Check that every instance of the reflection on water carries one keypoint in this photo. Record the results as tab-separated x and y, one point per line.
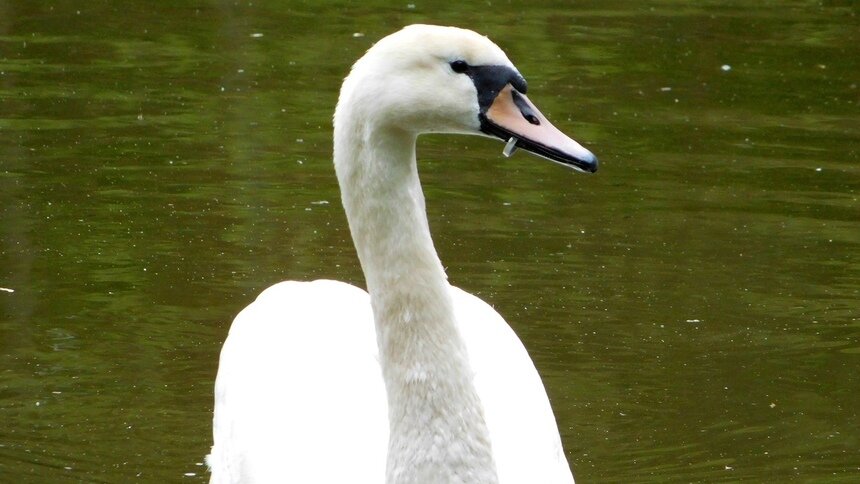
693	307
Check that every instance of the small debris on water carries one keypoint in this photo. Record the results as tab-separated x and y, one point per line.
256	35
665	89
725	67
358	34
6	289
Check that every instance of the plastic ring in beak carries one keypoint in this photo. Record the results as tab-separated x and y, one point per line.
510	147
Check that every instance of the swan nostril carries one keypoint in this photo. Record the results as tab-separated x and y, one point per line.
526	110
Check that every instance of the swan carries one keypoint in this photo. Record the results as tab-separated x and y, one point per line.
413	380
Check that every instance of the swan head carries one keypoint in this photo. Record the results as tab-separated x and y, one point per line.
433	79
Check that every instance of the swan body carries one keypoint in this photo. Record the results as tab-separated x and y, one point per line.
413	380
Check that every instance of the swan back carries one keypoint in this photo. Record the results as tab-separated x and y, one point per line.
299	396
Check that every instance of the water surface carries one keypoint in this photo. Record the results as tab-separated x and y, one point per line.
692	307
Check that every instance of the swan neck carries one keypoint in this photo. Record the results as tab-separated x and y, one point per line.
384	205
437	430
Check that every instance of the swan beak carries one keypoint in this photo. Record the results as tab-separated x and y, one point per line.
514	119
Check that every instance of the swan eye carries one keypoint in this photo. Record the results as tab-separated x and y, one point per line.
459	66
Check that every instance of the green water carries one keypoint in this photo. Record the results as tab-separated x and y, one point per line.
694	307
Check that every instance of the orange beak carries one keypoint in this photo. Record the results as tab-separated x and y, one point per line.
513	118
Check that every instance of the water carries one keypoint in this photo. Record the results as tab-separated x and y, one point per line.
693	307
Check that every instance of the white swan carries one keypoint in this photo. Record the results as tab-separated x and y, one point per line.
417	381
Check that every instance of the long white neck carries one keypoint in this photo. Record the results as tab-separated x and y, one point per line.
437	428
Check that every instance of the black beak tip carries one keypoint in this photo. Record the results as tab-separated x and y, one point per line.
587	164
